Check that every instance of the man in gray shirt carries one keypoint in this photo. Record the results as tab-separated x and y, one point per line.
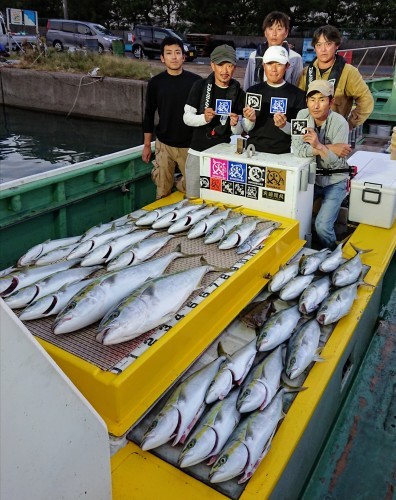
326	132
275	28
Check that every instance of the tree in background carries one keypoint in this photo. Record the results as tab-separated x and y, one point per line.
359	18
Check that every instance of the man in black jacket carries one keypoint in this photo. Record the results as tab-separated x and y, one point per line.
167	93
269	127
212	109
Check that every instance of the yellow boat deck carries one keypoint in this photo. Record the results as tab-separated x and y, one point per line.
121	399
139	474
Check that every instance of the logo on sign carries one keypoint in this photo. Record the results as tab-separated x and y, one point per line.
256	175
215	184
236	171
275	178
223	106
278	105
204	182
239	189
252	192
218	168
227	187
253	100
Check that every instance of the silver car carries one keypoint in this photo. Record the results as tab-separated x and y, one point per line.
63	34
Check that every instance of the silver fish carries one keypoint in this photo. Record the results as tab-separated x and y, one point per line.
169	218
205	225
238	235
255	239
53	303
94	242
295	287
190	219
27	276
182	409
283	276
103	228
151	305
55	255
302	349
233	372
277	329
309	264
7	271
110	250
139	252
212	432
334	260
42	248
222	228
248	444
263	383
95	300
338	304
314	295
152	215
29	294
350	271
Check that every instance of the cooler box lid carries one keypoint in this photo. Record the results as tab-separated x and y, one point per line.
382	172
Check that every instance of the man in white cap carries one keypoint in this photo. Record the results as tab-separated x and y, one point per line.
212	124
268	123
325	129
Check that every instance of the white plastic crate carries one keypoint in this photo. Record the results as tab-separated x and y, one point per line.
373	193
275	184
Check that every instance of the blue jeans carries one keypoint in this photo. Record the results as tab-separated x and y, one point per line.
332	197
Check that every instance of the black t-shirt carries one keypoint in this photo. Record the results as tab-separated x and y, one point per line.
168	94
266	136
202	136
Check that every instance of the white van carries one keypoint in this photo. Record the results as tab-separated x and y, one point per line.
63	33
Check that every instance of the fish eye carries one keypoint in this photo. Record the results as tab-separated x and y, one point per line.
292	361
114	315
71	306
191	444
223	460
152	426
247	392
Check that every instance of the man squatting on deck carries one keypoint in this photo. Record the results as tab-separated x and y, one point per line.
325	127
167	93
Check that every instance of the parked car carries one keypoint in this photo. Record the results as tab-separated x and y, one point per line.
62	33
146	41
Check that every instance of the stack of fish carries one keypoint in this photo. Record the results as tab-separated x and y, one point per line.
242	394
133	284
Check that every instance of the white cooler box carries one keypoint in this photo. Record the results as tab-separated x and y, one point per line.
276	184
373	193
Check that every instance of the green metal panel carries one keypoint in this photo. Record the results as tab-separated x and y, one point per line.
384	94
70	202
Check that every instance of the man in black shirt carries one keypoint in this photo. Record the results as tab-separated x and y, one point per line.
212	124
167	93
269	127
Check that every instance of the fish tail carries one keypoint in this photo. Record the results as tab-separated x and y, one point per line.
204	262
360	250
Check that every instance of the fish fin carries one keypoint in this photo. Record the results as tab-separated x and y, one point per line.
318	358
220	350
360	250
288	388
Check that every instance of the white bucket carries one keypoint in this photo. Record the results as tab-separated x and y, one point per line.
384	130
373	128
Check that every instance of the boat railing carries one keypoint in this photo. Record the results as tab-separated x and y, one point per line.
366	50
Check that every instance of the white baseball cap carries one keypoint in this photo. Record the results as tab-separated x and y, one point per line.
276	53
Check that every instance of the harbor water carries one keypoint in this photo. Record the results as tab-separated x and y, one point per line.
32	142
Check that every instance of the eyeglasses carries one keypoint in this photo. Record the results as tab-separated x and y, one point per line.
319	45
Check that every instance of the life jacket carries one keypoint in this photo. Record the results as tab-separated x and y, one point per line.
232	92
335	73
